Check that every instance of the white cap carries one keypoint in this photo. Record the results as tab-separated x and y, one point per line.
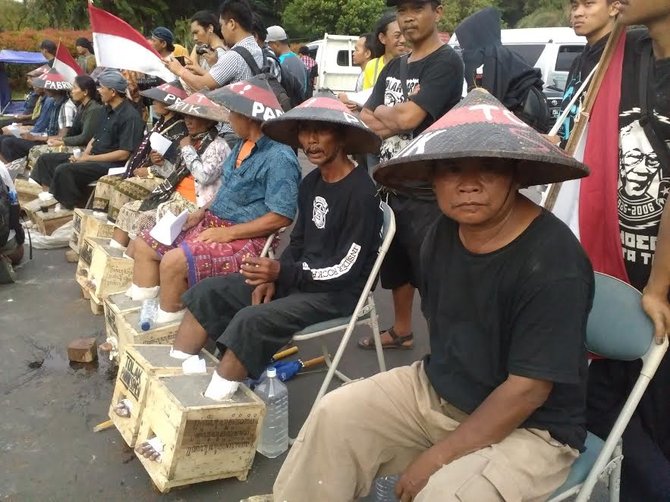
271	372
276	34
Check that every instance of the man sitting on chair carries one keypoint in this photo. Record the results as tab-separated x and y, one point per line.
496	412
321	273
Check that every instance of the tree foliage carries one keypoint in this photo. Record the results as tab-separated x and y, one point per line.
457	10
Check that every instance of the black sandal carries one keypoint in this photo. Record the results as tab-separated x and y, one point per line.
397	342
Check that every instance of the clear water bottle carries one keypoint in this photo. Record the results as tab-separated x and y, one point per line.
385	488
148	313
274	433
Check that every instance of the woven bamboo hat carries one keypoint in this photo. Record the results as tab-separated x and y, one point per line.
52	81
166	93
479	127
324	107
199	105
252	98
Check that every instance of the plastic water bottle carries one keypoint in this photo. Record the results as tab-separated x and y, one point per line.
274	434
148	313
385	488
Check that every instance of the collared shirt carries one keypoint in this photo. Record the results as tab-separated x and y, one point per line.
266	181
122	129
231	67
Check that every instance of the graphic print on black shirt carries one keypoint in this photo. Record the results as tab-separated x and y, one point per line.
644	182
336	237
434	83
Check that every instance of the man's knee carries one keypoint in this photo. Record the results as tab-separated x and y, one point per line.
173	262
142	251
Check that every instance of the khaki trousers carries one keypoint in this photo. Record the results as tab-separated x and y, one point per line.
378	426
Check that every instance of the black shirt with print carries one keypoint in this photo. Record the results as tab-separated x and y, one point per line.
644	180
435	83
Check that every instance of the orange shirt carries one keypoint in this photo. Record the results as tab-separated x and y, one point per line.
245	151
186	188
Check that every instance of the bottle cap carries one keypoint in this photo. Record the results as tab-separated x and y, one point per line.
272	372
146	326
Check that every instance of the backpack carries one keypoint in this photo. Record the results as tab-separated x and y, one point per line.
535	111
5	213
288	91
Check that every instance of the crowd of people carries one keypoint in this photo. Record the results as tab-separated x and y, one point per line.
500	408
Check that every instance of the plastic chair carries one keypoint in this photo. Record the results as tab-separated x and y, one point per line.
617	329
364	313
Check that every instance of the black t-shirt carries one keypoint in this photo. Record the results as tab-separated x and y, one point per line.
122	129
644	180
521	310
439	77
579	71
335	240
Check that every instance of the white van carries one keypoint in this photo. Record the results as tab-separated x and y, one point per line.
552	50
334	55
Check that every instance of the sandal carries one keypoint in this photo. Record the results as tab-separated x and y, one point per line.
397	342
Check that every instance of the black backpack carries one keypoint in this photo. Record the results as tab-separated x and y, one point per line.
289	91
535	110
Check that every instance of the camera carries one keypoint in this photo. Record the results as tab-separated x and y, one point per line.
201	49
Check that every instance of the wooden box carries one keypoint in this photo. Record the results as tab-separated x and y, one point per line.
47	222
115	306
87	223
84	264
139	367
130	333
26	191
110	272
203	439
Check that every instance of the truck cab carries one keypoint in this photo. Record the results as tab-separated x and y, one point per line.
334	55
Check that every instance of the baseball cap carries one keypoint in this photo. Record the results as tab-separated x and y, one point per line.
276	34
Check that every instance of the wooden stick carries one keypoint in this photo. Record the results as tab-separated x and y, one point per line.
285	353
583	118
107	424
313	362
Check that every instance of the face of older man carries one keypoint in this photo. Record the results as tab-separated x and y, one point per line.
106	94
476	191
320	141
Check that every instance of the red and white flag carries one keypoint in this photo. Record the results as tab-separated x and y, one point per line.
65	64
589	205
119	45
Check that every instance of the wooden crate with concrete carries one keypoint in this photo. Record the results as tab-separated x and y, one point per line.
88	223
130	332
202	439
26	191
46	217
110	272
140	366
115	328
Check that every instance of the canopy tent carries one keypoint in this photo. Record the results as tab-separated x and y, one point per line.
21	57
14	57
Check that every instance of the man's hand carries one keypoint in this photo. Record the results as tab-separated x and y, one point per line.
416	476
173	65
55	142
655	304
193	219
141	172
263	293
156	158
186	141
84	157
259	270
219	234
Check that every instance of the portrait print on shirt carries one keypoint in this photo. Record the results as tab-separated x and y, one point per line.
393	96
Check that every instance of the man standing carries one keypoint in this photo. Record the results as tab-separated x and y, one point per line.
118	135
411	93
640	237
48	49
289	60
496	412
593	19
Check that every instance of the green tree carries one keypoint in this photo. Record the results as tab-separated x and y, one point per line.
457	10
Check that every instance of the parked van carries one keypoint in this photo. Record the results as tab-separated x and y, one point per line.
334	55
552	50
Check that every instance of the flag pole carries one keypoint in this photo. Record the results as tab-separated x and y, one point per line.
583	118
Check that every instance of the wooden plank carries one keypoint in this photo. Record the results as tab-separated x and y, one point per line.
26	191
130	334
110	272
115	306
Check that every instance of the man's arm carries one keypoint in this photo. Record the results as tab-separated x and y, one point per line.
260	227
193	80
401	117
655	295
115	156
503	411
368	117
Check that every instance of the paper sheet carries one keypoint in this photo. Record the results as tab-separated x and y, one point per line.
169	227
159	143
361	97
113	171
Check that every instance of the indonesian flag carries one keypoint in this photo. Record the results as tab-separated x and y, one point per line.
65	64
119	45
589	205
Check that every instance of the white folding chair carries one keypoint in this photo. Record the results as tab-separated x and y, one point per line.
364	313
617	329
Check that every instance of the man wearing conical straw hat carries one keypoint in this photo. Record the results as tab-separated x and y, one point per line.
496	412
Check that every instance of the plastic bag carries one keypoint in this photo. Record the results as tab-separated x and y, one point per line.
60	238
